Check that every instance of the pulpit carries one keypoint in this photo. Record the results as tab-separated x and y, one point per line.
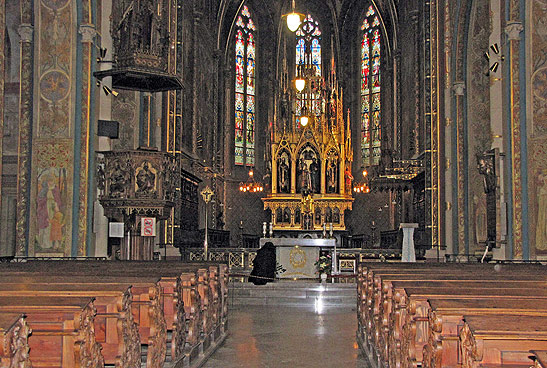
137	188
297	256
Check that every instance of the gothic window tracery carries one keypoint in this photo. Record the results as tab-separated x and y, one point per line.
371	132
245	110
308	40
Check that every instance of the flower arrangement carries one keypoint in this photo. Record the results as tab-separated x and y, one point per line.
324	264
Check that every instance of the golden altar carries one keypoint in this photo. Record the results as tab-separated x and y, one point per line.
310	164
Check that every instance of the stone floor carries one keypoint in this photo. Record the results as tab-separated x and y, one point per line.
285	336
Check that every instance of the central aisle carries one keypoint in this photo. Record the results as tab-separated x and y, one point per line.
283	336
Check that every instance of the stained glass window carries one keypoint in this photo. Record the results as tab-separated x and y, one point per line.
371	133
245	56
308	39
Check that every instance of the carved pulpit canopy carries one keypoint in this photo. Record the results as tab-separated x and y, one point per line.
141	41
137	182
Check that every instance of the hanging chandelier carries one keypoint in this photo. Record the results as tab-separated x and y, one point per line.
363	186
294	19
251	185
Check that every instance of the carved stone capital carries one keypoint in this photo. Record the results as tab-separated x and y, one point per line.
513	30
88	32
26	32
458	88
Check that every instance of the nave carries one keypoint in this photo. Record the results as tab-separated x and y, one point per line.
290	336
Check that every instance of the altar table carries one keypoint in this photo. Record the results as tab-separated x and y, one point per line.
298	256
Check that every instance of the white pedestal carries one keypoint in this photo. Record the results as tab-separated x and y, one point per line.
409	253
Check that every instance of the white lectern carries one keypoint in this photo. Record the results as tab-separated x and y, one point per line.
409	254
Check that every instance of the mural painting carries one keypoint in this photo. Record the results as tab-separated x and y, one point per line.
538	133
55	69
479	132
52	210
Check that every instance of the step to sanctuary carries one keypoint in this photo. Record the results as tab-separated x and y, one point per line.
292	293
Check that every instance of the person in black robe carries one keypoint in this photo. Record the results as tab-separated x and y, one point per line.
264	265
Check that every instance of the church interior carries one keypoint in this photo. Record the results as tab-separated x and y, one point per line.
374	142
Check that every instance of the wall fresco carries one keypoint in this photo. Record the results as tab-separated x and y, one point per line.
52	197
55	45
479	132
52	149
538	132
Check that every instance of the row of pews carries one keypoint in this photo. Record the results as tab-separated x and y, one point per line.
121	314
452	315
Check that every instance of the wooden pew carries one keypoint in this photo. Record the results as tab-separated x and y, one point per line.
115	328
146	306
411	310
14	348
380	314
62	330
446	318
376	312
501	339
168	273
540	358
211	289
375	293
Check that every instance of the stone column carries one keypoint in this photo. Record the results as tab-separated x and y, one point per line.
513	31
459	92
26	31
496	114
87	31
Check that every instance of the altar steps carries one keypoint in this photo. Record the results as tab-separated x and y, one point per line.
292	293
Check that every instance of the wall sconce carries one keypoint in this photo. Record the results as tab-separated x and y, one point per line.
495	58
107	90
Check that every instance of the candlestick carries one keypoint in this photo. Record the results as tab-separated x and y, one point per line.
271	230
264	228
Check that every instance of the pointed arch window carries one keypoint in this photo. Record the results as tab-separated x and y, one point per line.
308	42
371	132
245	75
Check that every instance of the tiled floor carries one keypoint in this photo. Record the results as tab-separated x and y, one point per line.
275	336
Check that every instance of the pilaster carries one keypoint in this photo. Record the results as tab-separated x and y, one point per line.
26	32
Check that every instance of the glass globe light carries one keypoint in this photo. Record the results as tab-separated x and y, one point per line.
300	84
304	120
293	21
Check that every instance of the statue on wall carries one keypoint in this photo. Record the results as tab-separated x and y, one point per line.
348	179
283	176
332	169
314	174
307	169
486	168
